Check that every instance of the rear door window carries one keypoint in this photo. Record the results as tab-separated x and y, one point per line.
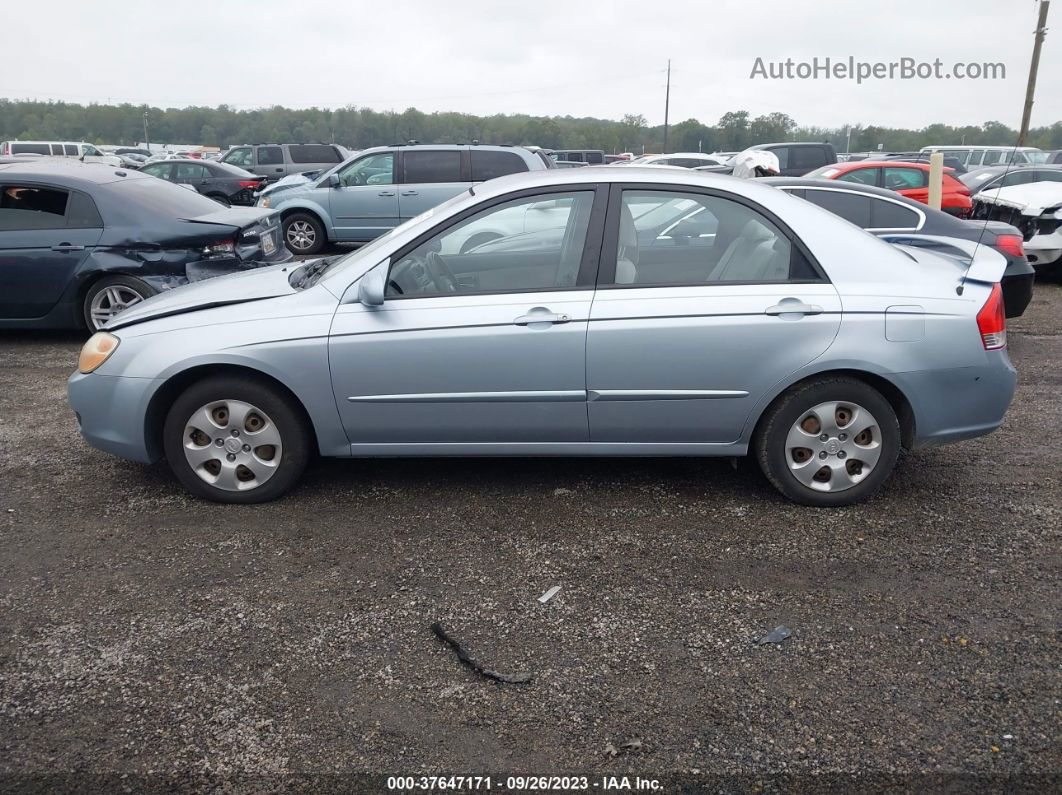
852	207
32	207
313	153
57	149
488	165
270	155
423	167
595	157
890	215
904	178
808	157
70	149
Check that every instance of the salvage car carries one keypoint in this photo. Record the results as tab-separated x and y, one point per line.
906	178
80	243
889	215
221	182
785	333
1004	176
1036	209
385	185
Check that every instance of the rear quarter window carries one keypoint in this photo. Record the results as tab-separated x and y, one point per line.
889	215
488	165
426	167
313	153
30	149
850	206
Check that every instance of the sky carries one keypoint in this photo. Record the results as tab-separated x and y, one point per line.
575	58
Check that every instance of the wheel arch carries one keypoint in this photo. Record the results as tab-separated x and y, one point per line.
889	390
168	392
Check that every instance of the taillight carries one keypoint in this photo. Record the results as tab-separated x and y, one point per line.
223	248
992	321
6	149
249	183
1011	244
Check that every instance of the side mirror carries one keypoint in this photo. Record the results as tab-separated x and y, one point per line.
371	286
333	181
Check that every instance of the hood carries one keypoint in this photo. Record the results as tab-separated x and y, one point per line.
238	288
1032	199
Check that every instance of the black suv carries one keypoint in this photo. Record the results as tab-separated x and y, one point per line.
795	159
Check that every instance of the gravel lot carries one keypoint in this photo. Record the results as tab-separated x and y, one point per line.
146	634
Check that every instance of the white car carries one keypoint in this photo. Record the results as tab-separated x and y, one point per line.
1036	209
73	149
680	159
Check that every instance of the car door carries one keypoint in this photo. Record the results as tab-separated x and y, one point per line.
430	177
909	182
687	335
483	348
46	233
269	162
364	202
194	174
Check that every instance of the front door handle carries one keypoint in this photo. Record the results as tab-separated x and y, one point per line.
410	193
541	316
67	247
386	193
792	306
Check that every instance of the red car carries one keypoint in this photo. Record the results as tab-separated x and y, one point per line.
907	179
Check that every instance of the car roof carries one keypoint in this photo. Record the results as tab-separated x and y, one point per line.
832	184
791	143
73	172
1000	168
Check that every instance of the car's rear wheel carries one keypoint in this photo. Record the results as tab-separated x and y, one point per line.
110	295
223	201
828	442
303	234
236	439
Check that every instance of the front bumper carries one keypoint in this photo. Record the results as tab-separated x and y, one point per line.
111	412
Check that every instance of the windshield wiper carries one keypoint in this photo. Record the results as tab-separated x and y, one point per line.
308	274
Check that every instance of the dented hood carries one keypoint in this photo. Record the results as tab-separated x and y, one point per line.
238	288
1032	199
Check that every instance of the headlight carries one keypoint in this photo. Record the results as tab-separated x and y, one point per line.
263	202
96	351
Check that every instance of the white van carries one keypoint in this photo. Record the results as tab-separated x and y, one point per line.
974	156
79	150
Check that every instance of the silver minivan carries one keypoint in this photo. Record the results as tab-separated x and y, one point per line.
276	161
75	149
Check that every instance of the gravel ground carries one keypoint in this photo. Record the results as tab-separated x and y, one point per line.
145	634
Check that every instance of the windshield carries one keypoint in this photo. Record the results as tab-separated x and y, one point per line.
1037	157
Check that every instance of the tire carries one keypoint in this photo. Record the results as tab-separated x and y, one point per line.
102	296
804	414
222	200
304	234
217	407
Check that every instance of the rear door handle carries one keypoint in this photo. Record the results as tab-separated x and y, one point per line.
67	247
410	193
540	317
386	193
793	308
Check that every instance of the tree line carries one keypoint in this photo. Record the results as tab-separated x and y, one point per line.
358	128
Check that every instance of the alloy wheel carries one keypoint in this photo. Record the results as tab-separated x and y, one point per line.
232	445
833	446
301	235
109	301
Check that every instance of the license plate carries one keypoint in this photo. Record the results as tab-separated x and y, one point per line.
268	244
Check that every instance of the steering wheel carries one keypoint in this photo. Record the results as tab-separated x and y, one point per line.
441	275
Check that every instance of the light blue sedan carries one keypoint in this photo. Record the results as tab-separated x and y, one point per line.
609	311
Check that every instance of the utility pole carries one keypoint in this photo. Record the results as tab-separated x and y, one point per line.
147	144
667	102
1030	89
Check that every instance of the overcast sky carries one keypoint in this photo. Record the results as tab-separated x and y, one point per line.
546	58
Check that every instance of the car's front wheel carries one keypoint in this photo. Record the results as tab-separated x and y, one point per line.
304	234
236	439
828	442
110	295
